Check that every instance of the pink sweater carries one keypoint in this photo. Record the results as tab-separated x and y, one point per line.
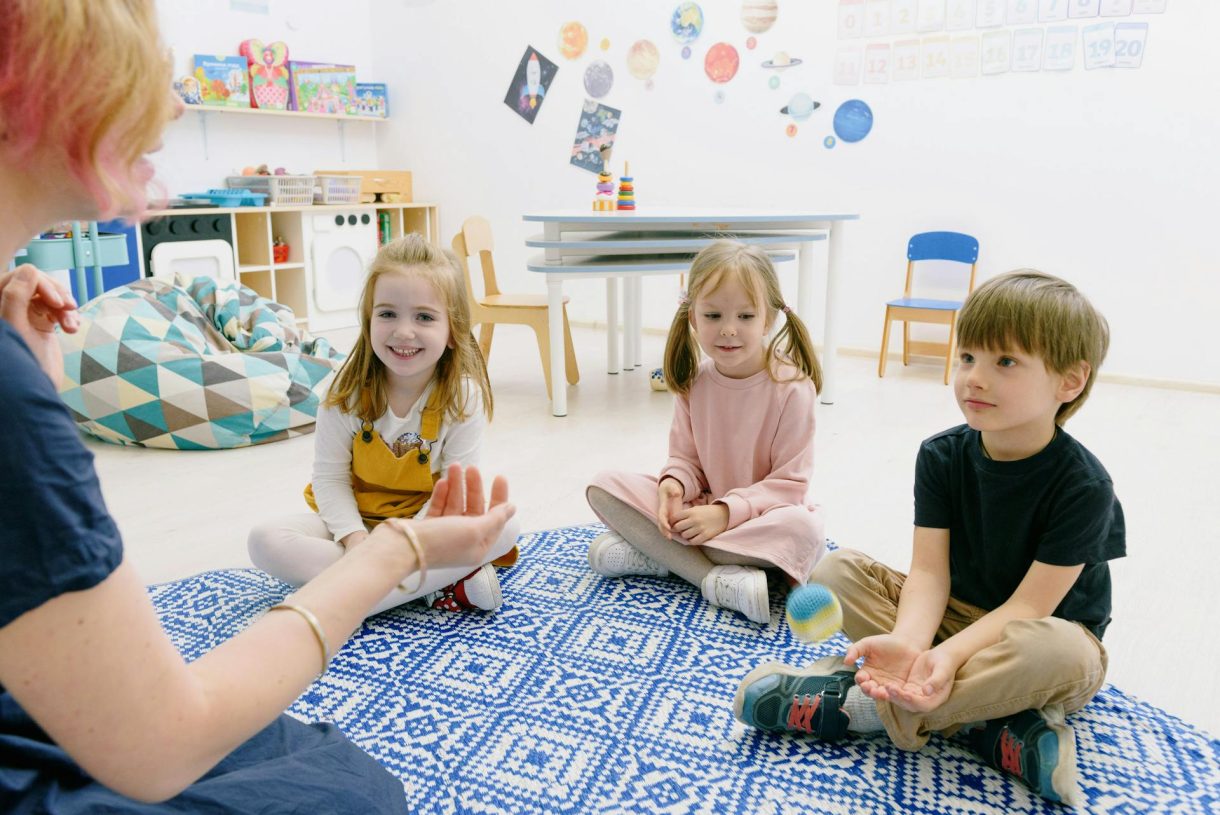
748	443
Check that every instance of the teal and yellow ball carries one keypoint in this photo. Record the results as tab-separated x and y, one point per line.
814	613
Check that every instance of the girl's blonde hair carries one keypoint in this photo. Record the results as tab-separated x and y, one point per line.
1041	315
750	267
360	386
104	126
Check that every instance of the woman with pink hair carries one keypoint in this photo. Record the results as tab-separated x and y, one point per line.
98	711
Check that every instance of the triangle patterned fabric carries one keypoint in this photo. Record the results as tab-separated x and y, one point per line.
199	366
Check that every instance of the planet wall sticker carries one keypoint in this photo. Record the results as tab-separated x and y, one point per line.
643	59
687	22
599	78
573	39
759	15
781	61
721	62
800	107
853	120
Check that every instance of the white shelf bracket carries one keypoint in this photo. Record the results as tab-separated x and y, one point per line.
203	134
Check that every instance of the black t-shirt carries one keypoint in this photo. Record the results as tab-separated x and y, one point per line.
55	533
1057	507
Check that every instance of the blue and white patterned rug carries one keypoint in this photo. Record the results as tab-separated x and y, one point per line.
588	695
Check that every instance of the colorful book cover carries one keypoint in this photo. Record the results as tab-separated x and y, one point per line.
321	87
223	81
372	99
268	73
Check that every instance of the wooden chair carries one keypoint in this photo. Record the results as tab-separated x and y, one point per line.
953	246
495	307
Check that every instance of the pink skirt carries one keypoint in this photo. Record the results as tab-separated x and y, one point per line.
791	538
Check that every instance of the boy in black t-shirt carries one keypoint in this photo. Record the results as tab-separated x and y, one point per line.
996	631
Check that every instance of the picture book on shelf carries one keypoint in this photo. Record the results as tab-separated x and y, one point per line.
372	99
223	81
321	87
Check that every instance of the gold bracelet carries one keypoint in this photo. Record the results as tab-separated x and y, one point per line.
309	617
407	531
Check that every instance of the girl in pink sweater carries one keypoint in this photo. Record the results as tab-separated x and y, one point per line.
730	502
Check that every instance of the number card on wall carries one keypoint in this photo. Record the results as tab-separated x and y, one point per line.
902	16
877	18
1027	49
1129	42
964	53
1116	8
934	56
1098	42
931	15
1060	52
847	65
1050	11
959	15
851	18
990	13
906	60
1150	6
877	64
1022	12
997	52
1083	8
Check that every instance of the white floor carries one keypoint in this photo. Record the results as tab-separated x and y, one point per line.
186	512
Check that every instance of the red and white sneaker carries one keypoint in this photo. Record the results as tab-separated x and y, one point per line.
478	590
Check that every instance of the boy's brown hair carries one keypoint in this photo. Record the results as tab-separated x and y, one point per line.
1041	315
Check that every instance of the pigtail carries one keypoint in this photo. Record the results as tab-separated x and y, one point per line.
681	353
792	345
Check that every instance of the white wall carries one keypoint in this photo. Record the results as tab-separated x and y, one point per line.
1101	176
316	31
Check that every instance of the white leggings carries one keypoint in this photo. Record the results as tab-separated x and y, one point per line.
297	548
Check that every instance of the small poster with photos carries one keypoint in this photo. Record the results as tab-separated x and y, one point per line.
372	99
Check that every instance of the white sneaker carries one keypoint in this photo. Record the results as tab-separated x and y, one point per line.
478	590
740	588
611	556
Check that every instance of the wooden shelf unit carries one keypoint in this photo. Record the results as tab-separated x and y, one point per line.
255	230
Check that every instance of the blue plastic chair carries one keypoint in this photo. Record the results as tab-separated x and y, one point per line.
953	246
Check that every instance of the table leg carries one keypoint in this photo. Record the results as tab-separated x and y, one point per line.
559	383
804	281
628	321
830	337
612	325
637	341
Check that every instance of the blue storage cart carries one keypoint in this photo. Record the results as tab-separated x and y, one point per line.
87	248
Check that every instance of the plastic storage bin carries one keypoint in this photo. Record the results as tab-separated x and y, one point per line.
229	198
337	189
281	190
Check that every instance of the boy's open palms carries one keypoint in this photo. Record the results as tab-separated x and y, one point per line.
887	663
897	672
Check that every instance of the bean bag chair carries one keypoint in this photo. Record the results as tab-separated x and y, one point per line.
193	365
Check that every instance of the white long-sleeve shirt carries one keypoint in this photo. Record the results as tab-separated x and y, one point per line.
336	431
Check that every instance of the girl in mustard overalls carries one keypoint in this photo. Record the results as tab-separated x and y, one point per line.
411	399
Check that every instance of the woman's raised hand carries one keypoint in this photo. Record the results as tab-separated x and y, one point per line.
461	526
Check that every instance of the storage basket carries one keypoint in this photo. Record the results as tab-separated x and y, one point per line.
281	190
228	198
337	189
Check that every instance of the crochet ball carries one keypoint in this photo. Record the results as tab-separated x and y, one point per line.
814	612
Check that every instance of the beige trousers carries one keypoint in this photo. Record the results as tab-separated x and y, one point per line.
1036	663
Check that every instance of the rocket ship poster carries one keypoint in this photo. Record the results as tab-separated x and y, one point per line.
530	84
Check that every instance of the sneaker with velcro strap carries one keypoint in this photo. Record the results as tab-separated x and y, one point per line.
782	698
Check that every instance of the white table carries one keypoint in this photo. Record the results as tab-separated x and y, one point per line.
583	244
